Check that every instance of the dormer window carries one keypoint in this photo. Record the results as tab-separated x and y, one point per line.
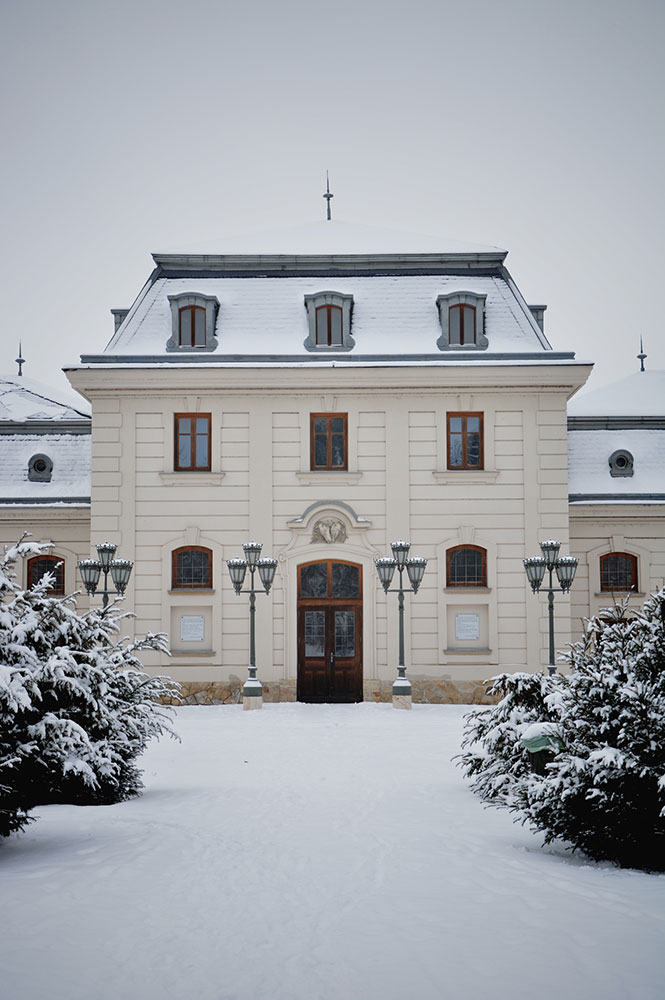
193	321
40	469
462	316
329	320
621	463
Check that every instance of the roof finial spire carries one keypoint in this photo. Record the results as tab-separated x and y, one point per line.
641	356
20	361
328	196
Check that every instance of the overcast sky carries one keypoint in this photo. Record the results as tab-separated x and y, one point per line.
535	125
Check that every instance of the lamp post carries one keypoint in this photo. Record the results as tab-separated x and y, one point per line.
565	567
415	568
252	692
91	569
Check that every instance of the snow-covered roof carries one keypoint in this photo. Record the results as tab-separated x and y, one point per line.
588	463
641	394
627	415
24	400
393	315
333	237
70	477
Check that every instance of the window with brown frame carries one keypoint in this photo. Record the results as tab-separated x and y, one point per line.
462	325
466	566
328	441
618	571
192	442
192	326
191	568
329	326
40	565
465	440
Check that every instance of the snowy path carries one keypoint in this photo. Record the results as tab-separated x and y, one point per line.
315	853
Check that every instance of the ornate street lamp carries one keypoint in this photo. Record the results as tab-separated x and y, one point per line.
91	569
415	569
252	692
565	567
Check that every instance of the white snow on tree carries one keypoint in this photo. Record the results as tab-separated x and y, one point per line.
76	707
602	787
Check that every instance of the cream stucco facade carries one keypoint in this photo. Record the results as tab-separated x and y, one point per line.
261	486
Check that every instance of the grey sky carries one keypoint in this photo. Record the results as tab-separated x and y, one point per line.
129	127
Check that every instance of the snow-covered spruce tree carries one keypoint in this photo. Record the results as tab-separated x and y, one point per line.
76	708
605	792
495	758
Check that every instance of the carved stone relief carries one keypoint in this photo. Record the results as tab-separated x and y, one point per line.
329	530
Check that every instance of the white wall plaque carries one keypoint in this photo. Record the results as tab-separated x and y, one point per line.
191	628
467	626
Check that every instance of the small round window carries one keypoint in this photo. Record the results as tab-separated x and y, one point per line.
621	463
40	469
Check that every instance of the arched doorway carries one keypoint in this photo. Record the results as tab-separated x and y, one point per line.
330	607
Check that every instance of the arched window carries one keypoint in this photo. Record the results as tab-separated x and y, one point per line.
462	322
191	568
192	326
466	566
618	571
329	326
40	565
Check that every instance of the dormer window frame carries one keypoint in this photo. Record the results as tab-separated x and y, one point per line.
40	468
621	463
185	301
452	300
324	301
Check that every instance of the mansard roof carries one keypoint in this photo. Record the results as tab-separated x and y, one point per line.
626	417
641	394
27	402
394	280
40	422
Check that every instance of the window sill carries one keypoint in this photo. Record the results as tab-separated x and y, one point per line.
483	477
609	594
192	652
484	651
461	591
186	476
192	591
328	476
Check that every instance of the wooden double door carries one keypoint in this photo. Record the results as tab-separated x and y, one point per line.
330	632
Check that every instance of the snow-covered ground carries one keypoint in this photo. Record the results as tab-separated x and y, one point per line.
315	853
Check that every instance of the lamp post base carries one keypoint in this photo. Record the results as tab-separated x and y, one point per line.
252	694
402	690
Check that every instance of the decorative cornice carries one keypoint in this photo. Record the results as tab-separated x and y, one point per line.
289	265
42	501
46	427
616	497
615	423
221	360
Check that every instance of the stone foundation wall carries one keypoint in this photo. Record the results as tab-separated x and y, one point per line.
425	691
